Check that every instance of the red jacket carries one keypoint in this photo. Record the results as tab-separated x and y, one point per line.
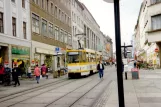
2	70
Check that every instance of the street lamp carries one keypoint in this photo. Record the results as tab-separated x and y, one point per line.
118	52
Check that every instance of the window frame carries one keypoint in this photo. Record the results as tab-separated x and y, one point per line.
1	20
35	19
14	27
24	30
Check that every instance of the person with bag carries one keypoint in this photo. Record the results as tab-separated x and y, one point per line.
100	68
43	70
37	74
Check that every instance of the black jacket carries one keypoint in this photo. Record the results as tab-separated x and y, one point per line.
98	67
15	72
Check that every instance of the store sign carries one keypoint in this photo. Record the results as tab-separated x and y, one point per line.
20	50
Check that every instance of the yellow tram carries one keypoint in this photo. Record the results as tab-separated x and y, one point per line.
82	62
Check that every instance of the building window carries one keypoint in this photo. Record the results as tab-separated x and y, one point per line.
50	30
44	27
14	26
24	30
59	14
47	5
69	39
51	8
156	22
155	1
56	12
42	4
23	3
62	17
65	37
61	35
13	1
65	18
56	33
1	23
35	24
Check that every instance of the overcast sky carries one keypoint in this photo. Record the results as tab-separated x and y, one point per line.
104	14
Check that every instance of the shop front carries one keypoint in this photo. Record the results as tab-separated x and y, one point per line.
20	57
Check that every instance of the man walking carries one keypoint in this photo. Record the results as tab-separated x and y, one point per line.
100	68
16	75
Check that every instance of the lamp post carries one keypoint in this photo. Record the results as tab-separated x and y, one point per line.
118	51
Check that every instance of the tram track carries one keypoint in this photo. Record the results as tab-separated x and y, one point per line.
59	83
47	88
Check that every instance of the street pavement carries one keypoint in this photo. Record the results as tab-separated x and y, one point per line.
86	92
144	92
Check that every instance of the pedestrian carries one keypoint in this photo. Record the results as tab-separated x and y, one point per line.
29	72
43	70
2	73
7	77
122	67
16	74
47	72
37	74
100	68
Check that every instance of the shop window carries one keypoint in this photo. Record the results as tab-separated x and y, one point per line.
24	30
35	24
51	30
1	23
23	3
14	26
56	33
156	22
44	27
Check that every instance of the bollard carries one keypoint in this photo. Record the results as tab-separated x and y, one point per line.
126	75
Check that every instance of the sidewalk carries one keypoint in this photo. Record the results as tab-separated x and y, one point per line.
145	92
26	84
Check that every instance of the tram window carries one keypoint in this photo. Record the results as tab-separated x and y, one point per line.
73	57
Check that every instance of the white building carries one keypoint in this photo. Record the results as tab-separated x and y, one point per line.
92	31
77	23
15	34
148	30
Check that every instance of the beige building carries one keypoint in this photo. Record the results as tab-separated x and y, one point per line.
50	31
147	32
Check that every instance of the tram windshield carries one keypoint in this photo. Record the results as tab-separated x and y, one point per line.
73	57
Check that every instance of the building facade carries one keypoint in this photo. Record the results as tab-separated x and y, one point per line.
148	30
15	35
77	23
51	31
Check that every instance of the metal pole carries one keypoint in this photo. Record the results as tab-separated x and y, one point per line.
124	51
118	54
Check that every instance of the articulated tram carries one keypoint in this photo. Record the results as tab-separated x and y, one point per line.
82	62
